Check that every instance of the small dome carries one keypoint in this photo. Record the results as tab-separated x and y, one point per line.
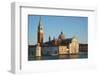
61	36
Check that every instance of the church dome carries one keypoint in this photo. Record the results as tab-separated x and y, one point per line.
61	36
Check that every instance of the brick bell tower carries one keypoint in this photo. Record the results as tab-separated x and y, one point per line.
40	32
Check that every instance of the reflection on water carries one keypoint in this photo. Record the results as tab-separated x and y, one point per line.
38	58
63	56
72	56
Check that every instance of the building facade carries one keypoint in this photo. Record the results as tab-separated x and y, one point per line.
50	50
38	50
63	50
74	46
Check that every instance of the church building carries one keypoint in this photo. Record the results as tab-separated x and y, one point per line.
55	46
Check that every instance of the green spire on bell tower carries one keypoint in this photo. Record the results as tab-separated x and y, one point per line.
40	23
40	31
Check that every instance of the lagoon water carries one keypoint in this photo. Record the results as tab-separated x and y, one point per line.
81	55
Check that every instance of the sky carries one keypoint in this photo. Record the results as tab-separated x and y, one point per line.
54	25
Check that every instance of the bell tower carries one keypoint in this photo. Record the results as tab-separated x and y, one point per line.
40	32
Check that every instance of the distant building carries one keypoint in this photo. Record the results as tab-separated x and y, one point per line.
83	47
